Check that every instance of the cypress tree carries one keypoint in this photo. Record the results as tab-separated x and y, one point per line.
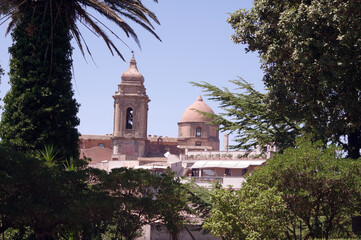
40	108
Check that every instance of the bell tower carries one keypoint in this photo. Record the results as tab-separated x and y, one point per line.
130	115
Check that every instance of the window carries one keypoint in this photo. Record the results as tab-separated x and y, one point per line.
195	172
208	172
129	119
244	171
160	141
198	132
101	145
198	144
227	172
159	173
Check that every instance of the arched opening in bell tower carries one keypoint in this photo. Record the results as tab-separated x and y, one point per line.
129	119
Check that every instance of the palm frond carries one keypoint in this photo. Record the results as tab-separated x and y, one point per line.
99	31
110	14
77	36
145	26
75	11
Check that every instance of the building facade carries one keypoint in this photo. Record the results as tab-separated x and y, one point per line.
195	131
130	140
130	116
194	153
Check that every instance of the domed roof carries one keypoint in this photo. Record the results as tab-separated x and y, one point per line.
191	115
132	74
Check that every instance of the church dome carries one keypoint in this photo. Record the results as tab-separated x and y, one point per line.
191	115
132	74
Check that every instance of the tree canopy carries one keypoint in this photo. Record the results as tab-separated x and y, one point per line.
250	213
311	56
42	199
307	192
47	200
321	189
247	113
39	108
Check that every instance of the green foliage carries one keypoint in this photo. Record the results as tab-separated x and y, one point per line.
133	194
40	108
70	165
1	73
139	197
45	199
18	234
307	192
173	203
310	53
320	189
49	153
42	199
70	11
247	113
199	199
254	212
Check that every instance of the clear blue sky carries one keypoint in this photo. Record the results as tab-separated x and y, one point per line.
195	46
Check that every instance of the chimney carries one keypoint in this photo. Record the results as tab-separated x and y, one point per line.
225	142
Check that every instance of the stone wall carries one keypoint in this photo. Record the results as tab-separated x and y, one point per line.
151	232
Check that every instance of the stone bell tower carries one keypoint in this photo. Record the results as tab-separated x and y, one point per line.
130	115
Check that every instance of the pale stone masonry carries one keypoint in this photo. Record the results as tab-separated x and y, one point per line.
195	152
194	129
130	116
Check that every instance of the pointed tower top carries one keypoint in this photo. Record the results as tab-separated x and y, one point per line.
133	60
133	63
199	98
132	74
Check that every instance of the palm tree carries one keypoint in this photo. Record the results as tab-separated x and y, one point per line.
40	108
73	12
